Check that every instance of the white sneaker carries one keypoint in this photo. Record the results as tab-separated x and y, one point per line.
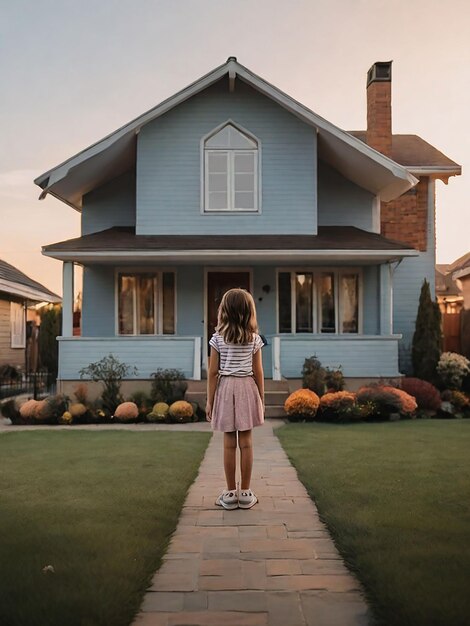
246	499
228	499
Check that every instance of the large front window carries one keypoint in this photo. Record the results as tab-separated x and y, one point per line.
146	303
230	171
320	301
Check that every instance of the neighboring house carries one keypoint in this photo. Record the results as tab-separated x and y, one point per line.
231	182
448	291
461	274
450	299
19	297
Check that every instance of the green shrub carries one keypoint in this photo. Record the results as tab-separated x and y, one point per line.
109	371
334	379
10	410
9	373
143	401
168	385
48	348
314	376
427	338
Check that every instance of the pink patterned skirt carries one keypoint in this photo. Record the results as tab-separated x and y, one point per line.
237	404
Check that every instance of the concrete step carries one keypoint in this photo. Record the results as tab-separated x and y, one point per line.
274	410
276	398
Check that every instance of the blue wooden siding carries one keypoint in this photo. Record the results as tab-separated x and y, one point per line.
371	279
169	167
98	301
146	353
112	204
341	202
357	356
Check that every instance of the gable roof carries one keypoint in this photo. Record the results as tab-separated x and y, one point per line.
15	282
417	155
461	267
115	153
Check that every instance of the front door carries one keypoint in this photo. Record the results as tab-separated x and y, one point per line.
217	284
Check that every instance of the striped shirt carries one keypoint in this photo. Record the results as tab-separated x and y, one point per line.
236	359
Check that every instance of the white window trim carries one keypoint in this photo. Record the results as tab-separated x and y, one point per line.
317	271
230	182
158	297
17	339
204	172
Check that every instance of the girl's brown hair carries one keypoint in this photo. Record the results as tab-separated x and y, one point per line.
236	318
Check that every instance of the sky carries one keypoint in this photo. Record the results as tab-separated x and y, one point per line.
73	72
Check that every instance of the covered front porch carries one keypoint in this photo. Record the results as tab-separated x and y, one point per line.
159	310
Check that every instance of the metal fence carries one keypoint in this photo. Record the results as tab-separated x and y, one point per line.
37	384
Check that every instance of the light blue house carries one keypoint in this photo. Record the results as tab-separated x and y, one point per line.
231	182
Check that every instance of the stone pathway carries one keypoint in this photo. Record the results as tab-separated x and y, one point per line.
273	565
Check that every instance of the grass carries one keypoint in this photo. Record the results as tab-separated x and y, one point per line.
100	508
396	498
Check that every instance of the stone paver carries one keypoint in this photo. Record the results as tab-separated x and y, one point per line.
273	565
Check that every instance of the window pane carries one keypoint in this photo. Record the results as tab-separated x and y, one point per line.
244	200
350	303
218	200
126	287
304	303
284	302
245	162
217	182
168	303
146	305
244	182
217	162
327	304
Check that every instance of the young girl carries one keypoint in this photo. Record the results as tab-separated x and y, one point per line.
235	391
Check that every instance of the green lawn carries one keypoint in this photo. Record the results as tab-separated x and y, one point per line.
100	508
396	498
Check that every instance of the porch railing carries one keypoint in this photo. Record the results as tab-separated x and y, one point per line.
144	352
357	355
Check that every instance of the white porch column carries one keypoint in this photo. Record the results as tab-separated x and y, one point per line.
67	299
385	290
276	357
197	358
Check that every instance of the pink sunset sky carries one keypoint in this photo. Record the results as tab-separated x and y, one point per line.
73	72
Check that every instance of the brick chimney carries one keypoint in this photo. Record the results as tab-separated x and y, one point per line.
379	107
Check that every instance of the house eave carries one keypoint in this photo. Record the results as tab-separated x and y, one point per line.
353	158
230	256
29	293
464	272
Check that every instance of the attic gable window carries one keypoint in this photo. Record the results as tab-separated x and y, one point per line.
230	170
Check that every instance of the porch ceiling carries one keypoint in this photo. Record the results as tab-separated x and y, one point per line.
332	243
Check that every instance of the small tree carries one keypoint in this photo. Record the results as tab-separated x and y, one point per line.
427	338
109	371
51	321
